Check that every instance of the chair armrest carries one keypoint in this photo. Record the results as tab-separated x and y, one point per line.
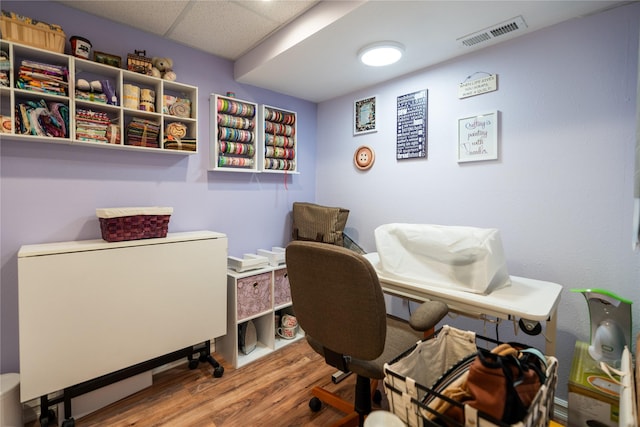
427	315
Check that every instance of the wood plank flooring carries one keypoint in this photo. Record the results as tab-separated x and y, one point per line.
273	391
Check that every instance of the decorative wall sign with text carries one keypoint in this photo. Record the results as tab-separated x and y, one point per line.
478	86
411	139
478	137
364	116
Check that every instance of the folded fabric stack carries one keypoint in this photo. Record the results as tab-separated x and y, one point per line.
5	67
101	91
82	95
91	126
42	119
143	133
186	144
44	78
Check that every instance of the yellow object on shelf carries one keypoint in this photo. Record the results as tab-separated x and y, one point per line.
24	30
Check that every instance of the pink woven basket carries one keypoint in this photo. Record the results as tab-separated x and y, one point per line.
133	223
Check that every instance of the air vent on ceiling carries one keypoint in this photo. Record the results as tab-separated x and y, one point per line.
507	27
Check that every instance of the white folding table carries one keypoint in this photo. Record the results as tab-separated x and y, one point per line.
527	299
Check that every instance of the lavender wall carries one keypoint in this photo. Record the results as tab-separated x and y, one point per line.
49	193
561	192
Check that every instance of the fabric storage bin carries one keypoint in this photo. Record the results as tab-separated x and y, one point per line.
118	224
254	295
410	382
281	288
24	30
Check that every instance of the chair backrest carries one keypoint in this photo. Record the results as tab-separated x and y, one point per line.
318	223
337	298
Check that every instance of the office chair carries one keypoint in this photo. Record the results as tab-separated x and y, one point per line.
338	302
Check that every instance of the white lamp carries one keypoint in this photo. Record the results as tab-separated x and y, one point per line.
381	53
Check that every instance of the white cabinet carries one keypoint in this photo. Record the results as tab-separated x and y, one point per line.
257	295
146	113
89	308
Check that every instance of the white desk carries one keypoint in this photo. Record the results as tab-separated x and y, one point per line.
527	299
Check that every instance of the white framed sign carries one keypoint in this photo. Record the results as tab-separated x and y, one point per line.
364	115
478	137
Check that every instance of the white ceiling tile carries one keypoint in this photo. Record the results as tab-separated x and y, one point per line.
281	11
142	14
223	27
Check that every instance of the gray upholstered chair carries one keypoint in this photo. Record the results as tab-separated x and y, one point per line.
338	302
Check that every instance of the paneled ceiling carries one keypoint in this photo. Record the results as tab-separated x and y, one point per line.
308	48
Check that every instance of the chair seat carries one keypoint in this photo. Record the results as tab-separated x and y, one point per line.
398	340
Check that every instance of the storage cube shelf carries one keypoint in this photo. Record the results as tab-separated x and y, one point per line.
279	130
112	108
255	295
233	136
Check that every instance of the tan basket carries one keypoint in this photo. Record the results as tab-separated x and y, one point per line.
119	224
20	29
409	378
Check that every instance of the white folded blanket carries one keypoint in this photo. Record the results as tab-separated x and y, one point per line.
119	212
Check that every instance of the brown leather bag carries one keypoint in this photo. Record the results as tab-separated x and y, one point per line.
501	383
319	223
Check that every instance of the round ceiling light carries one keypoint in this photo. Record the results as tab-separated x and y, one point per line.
381	53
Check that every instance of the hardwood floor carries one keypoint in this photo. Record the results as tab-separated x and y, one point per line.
274	391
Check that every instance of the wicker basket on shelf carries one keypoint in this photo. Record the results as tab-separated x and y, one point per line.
119	224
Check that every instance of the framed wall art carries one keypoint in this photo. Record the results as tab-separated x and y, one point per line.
108	59
364	116
411	134
478	137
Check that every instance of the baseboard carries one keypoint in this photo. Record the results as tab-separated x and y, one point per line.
31	411
561	411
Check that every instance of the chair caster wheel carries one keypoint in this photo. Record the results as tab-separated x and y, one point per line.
377	397
315	404
69	423
218	371
49	417
193	364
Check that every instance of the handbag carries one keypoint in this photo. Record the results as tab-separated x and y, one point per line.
500	383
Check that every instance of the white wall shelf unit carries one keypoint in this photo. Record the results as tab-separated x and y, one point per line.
169	108
256	295
234	142
279	153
